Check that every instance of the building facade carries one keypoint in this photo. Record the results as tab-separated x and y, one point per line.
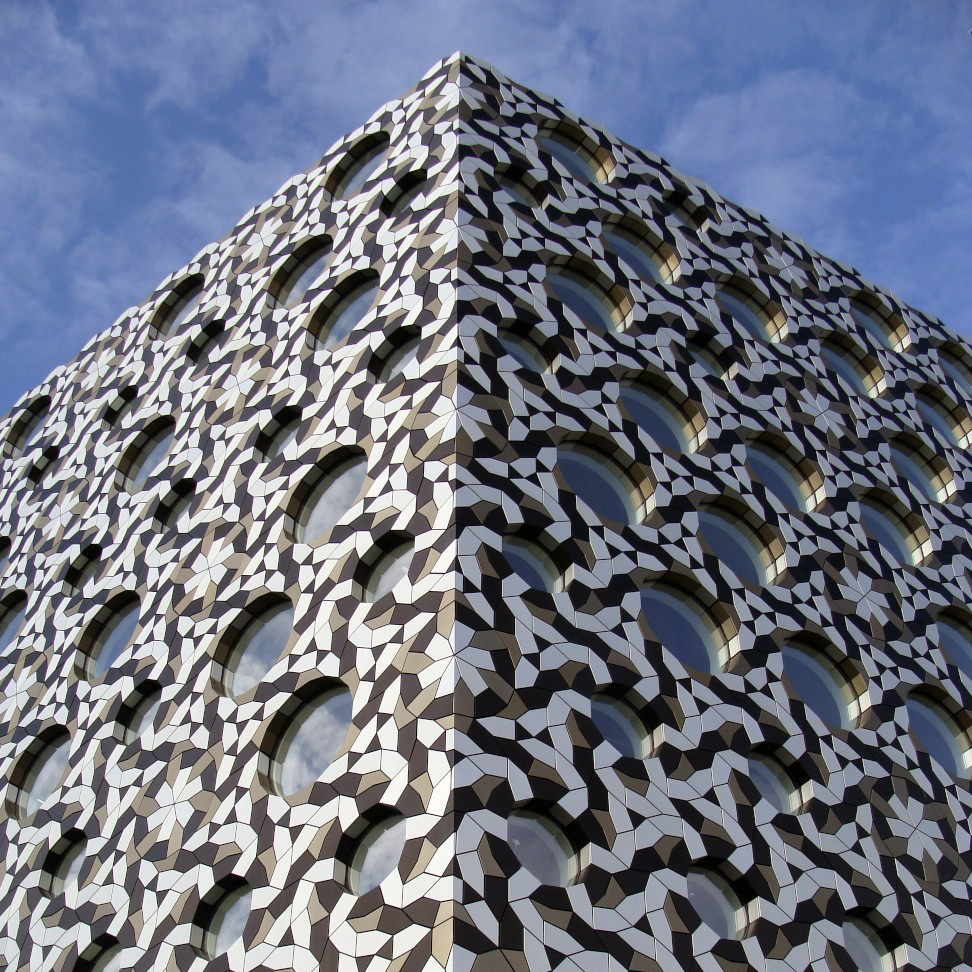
499	553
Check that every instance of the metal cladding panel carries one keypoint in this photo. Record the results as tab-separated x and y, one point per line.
562	398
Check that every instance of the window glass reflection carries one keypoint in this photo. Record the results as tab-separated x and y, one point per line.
885	527
935	415
349	312
313	739
392	568
330	499
517	190
522	350
149	456
598	482
261	644
45	773
305	274
378	853
772	781
361	170
936	733
619	724
531	564
683	626
400	359
114	637
714	901
733	543
840	362
583	298
183	308
634	253
778	474
817	682
541	847
229	920
957	641
735	304
11	621
865	947
913	468
568	154
870	321
657	416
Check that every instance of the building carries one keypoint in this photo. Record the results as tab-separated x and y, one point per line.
498	553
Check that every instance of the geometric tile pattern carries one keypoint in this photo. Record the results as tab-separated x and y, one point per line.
473	691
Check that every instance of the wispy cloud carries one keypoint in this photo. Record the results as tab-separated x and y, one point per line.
134	134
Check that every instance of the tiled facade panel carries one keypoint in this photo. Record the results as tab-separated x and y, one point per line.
475	693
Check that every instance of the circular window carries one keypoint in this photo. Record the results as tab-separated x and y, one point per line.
683	626
532	564
389	570
940	417
377	854
62	866
148	452
955	364
633	252
865	947
399	359
657	415
585	299
522	350
735	544
620	725
874	324
517	188
843	362
361	164
404	193
137	716
335	489
715	902
820	685
773	782
29	425
279	432
956	639
38	773
913	467
355	298
223	922
937	733
569	153
599	482
302	271
542	847
888	528
111	633
313	736
104	955
779	474
740	308
261	642
179	306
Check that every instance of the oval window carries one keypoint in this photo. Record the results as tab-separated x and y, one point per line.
330	499
584	298
532	564
113	633
772	782
620	725
683	626
915	469
399	359
865	947
12	619
599	482
714	901
843	364
633	251
312	739
522	350
872	323
39	772
569	154
657	415
779	474
377	854
260	644
310	266
956	639
739	307
227	921
364	162
180	306
734	543
818	683
147	456
391	568
350	310
936	732
885	526
542	848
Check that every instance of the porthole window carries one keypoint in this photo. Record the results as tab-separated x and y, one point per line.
782	476
737	545
37	774
820	685
620	725
108	636
773	782
389	570
518	187
173	507
328	494
221	921
103	955
568	151
599	482
363	161
715	902
583	297
955	364
378	853
910	463
659	416
146	454
29	425
956	638
680	208
740	308
13	609
138	714
532	564
542	848
860	374
278	433
885	330
304	269
634	253
896	536
704	350
950	421
354	299
259	639
313	735
937	733
522	350
683	626
179	306
865	947
399	358
62	865
404	193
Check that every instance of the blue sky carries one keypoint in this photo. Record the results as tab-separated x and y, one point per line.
132	134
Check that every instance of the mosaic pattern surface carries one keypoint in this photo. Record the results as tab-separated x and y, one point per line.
498	553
